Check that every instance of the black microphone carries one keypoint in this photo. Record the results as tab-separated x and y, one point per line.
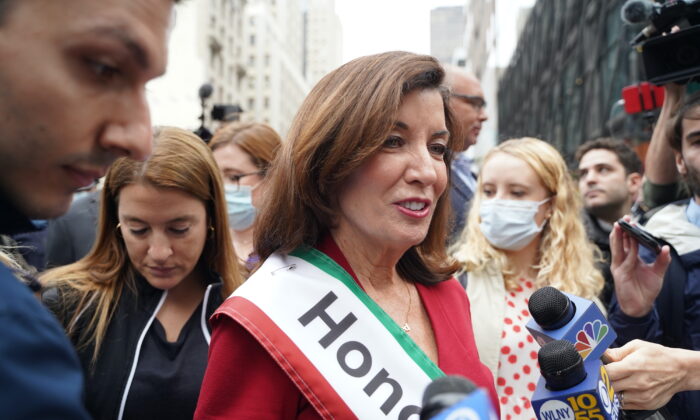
455	396
550	308
638	11
662	17
571	388
562	316
557	315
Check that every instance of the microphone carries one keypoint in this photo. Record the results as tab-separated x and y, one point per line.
662	17
455	397
561	316
638	11
571	388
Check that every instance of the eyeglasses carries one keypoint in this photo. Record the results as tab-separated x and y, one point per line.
236	178
476	101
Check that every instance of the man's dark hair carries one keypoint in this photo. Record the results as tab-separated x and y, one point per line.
627	157
689	110
5	6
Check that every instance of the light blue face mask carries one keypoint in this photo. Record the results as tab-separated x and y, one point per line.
509	224
239	206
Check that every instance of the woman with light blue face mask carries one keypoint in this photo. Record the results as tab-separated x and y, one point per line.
523	232
244	152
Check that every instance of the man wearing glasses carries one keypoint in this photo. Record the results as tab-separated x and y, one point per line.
469	109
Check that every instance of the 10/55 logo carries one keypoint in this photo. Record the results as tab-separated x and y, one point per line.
608	399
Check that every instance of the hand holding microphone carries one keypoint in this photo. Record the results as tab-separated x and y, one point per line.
650	374
557	315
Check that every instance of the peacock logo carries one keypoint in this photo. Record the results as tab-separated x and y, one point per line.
588	338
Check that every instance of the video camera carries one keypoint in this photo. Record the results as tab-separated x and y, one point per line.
219	112
673	57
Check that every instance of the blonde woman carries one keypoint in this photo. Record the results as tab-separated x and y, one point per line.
136	307
523	232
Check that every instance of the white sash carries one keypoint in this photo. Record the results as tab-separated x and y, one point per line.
375	368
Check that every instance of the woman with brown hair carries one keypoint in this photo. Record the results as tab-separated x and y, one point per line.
136	307
244	152
354	309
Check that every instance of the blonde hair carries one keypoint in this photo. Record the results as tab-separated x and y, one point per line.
8	258
566	258
180	160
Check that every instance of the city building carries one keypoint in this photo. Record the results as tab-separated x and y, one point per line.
260	56
446	32
273	52
488	31
205	46
565	79
324	40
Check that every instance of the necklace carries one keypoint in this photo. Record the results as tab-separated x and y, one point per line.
405	326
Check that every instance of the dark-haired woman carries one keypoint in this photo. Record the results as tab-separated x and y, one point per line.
354	309
136	307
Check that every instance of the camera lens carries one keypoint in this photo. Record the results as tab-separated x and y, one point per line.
688	55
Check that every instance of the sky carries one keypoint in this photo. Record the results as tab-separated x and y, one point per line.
373	26
369	26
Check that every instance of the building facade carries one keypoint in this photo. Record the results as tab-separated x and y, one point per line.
324	40
446	32
205	46
259	55
478	52
274	85
565	79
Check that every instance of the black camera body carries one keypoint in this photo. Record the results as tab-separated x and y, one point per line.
673	57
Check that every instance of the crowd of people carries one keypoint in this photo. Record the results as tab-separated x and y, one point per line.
334	273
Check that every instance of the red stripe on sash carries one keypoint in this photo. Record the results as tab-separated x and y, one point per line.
296	365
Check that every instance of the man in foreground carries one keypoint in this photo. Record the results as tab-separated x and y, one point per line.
72	99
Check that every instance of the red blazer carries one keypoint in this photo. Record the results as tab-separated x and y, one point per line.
242	380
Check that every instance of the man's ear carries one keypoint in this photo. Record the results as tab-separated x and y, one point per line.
634	183
680	163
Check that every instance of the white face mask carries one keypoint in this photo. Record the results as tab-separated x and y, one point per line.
239	205
509	224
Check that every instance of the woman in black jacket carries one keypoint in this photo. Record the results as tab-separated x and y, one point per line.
137	306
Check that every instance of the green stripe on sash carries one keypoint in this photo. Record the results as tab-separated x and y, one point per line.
326	263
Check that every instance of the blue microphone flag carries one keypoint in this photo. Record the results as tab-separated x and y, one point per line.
588	330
